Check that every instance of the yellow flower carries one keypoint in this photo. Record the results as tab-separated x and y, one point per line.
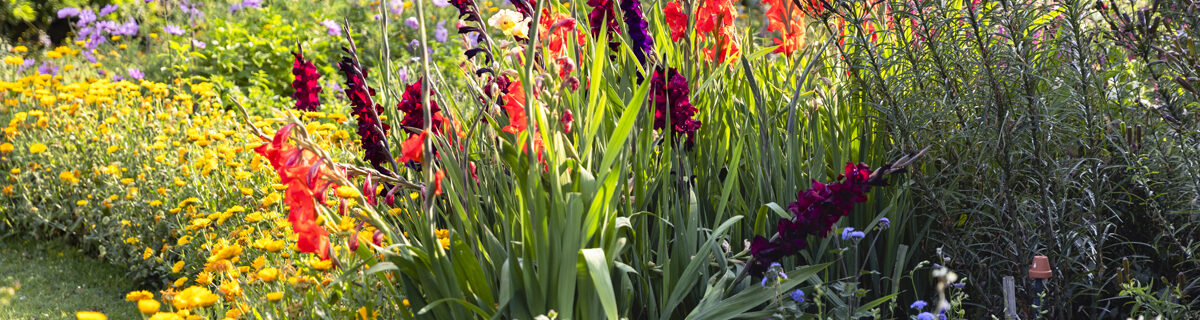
227	252
177	267
347	192
6	147
81	203
322	264
68	176
271	199
53	54
204	278
155	203
274	296
274	246
233	314
445	243
148	306
37	148
15	171
268	274
20	49
193	297
138	295
363	314
405	302
511	22
179	282
147	254
90	315
165	316
13	60
113	148
230	289
259	262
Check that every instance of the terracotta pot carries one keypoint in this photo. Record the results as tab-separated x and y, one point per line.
1040	268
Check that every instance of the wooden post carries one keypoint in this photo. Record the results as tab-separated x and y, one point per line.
1010	299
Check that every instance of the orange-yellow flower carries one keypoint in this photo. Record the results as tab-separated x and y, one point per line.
90	315
139	295
148	306
193	297
268	274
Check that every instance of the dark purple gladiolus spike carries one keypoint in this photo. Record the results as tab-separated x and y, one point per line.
635	24
466	9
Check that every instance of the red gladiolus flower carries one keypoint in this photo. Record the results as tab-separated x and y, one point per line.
305	177
715	17
677	21
414	117
514	104
555	29
787	19
437	182
412	149
307	84
566	120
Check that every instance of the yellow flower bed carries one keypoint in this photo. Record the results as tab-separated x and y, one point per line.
160	177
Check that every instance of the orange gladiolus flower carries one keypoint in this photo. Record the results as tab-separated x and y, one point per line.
305	177
514	104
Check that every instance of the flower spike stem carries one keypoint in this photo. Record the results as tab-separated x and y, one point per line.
427	206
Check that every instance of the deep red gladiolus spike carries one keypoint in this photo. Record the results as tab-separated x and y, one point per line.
814	212
669	91
307	84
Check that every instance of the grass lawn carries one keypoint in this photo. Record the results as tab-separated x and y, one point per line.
50	280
